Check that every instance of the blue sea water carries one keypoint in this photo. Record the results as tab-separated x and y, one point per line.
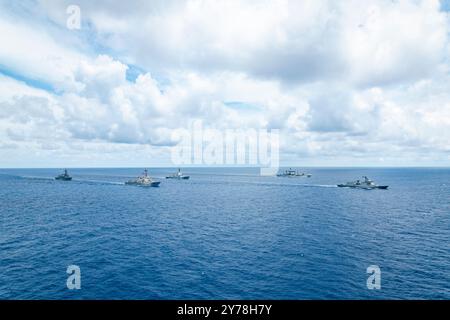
227	233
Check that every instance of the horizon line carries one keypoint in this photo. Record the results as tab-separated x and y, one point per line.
229	167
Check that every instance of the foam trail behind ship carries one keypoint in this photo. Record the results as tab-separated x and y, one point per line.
73	180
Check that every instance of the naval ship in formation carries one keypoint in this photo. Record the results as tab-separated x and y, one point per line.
178	176
366	184
292	173
143	181
64	176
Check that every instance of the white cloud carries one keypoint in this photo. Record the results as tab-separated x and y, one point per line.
30	51
370	43
341	80
390	42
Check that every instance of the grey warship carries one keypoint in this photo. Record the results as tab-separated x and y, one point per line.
366	184
293	173
143	181
178	176
64	176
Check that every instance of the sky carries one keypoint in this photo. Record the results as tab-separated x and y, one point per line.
346	83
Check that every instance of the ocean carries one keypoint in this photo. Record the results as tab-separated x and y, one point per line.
226	233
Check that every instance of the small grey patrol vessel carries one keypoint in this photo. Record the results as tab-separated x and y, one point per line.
178	176
64	176
292	173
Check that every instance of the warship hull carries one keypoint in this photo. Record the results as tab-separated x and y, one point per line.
150	184
362	187
63	178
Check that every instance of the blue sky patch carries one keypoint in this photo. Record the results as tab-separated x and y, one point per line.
38	84
445	5
239	105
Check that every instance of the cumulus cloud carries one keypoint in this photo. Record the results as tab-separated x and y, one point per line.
370	43
341	80
30	51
